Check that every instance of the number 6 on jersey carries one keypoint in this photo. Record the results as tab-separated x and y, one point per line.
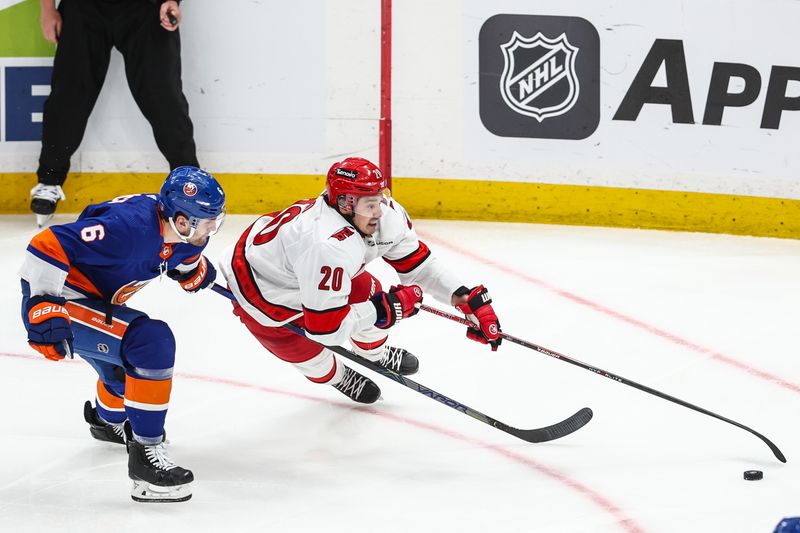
91	233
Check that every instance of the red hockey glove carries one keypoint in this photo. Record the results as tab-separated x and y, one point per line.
198	278
478	309
49	330
399	303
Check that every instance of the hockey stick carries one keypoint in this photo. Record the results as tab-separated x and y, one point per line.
556	431
619	379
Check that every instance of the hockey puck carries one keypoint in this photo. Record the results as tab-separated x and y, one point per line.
753	475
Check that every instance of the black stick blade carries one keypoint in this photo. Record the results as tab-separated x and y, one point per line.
778	454
556	431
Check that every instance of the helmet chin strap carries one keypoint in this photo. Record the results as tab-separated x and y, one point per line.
182	237
349	217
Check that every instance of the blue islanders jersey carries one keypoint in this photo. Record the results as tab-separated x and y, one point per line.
113	250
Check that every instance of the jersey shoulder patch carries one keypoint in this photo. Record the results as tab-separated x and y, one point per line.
343	233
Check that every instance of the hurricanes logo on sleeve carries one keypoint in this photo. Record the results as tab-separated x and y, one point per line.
189	189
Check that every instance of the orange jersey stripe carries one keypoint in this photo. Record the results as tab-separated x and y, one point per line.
96	319
147	390
47	243
191	260
106	398
77	279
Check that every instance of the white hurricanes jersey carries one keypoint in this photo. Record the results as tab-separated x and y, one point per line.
301	262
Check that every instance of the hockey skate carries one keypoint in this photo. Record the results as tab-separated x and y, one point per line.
100	429
43	201
156	479
399	360
358	388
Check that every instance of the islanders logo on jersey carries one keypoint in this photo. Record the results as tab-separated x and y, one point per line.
189	189
125	292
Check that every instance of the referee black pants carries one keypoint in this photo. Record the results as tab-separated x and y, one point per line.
152	66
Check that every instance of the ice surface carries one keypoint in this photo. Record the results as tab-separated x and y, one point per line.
711	319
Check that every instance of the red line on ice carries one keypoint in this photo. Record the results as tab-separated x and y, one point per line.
627	523
616	314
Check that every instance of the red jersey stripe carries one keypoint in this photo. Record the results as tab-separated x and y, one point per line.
249	289
408	263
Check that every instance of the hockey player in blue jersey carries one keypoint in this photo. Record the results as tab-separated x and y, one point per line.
76	280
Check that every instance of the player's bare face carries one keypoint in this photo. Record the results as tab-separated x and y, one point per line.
367	213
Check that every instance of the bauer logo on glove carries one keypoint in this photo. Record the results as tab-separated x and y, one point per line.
399	303
198	278
49	330
41	312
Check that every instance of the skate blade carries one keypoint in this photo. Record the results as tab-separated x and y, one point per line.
41	220
145	492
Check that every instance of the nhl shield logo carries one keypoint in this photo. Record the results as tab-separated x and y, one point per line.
539	78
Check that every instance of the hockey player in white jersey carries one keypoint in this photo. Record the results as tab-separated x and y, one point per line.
305	265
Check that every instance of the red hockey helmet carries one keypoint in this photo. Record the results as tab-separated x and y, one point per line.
352	178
